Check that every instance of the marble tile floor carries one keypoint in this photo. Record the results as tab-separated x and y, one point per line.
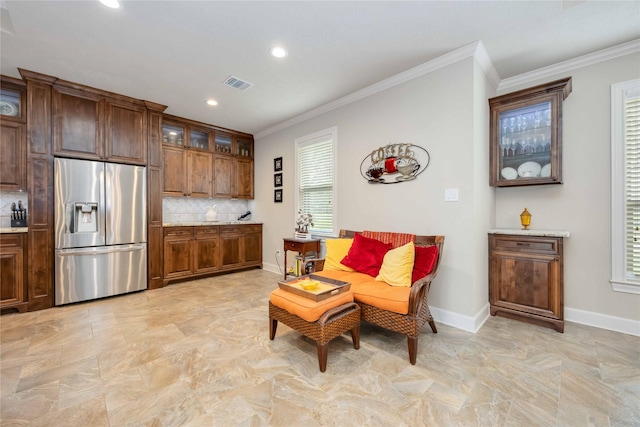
198	354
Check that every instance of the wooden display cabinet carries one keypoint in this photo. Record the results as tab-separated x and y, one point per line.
526	278
526	135
13	135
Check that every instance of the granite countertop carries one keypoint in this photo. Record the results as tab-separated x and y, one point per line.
7	230
197	223
521	232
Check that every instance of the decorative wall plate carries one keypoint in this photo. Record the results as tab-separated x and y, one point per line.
394	163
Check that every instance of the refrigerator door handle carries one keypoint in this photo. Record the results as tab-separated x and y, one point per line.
101	250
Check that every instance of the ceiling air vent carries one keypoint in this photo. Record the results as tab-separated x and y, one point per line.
237	83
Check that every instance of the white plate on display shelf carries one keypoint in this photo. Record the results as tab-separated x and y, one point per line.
509	173
546	170
529	169
8	108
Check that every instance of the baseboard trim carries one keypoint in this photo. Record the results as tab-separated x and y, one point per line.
273	268
460	321
602	321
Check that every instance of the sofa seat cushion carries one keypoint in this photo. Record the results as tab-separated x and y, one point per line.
368	291
306	308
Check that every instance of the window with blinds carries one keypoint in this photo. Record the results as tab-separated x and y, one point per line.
632	184
625	190
315	159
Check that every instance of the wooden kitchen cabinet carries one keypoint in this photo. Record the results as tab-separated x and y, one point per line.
199	174
206	251
95	125
178	254
233	177
526	278
191	252
13	135
241	245
175	171
13	272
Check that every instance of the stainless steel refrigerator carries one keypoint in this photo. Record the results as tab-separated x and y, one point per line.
100	229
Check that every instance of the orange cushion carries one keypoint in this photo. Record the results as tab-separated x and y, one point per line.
378	294
306	308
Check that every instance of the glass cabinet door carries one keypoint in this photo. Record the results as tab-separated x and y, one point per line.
222	143
526	134
172	134
244	147
10	102
199	139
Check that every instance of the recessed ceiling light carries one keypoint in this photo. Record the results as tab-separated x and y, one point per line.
278	52
212	102
113	4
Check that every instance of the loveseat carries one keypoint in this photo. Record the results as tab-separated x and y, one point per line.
390	276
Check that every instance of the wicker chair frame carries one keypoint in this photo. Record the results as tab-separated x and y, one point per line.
419	314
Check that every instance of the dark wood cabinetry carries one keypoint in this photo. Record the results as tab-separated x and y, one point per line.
195	251
96	125
13	272
526	278
205	161
13	135
526	135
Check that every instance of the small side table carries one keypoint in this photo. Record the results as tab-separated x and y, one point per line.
302	246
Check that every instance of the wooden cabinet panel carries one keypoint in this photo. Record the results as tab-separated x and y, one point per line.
223	173
244	178
526	278
175	171
252	248
155	257
13	272
230	246
77	126
13	156
178	256
199	174
206	253
126	135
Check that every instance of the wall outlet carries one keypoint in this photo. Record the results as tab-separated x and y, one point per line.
278	252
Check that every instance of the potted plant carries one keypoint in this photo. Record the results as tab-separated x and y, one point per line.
303	222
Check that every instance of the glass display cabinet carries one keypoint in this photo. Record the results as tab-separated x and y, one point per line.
526	135
222	143
199	139
173	134
244	147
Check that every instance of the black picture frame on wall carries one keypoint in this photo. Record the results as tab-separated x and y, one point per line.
277	164
277	196
277	180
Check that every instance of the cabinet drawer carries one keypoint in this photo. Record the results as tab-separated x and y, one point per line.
178	231
526	244
205	231
246	229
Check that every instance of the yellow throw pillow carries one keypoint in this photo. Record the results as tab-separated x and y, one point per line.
397	266
336	250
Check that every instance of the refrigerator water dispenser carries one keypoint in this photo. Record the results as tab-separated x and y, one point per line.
86	218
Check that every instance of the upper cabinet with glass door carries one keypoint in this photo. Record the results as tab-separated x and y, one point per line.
526	135
173	133
12	99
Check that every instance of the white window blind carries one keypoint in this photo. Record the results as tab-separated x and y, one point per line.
625	192
315	180
632	144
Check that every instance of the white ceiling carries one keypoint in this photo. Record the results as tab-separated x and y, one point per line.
177	53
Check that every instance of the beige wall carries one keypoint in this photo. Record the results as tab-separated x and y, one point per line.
446	112
582	204
442	112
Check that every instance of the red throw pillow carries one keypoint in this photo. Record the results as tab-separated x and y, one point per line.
366	255
426	257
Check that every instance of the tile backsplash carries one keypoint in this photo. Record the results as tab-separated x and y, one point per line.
189	209
6	198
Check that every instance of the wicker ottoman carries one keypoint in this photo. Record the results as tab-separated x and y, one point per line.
335	321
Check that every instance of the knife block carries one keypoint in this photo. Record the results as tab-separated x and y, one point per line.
19	222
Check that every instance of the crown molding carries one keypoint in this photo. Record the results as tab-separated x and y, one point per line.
570	65
470	50
483	59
